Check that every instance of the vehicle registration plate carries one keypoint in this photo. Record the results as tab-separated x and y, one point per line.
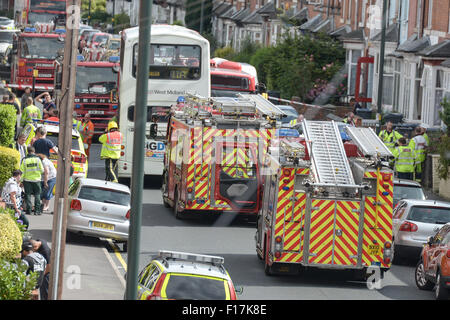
101	225
45	75
374	249
96	112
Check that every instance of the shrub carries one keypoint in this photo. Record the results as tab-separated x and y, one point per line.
10	161
14	283
7	124
10	236
225	53
444	143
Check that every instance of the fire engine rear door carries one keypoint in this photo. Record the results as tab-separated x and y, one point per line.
334	232
236	176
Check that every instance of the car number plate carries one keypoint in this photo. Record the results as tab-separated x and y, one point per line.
374	249
101	225
96	112
45	75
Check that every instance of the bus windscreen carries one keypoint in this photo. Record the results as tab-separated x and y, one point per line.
48	5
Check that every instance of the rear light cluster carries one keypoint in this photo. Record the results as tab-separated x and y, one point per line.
387	252
75	205
79	159
278	246
448	253
128	214
408	227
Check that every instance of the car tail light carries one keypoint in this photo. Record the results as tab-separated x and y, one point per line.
408	227
75	205
448	253
128	214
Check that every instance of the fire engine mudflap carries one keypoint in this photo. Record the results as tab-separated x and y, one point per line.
214	152
327	204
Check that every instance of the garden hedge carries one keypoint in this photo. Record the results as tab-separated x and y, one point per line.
8	119
9	161
10	236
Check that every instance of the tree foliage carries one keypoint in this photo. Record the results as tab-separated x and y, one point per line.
444	144
193	15
14	283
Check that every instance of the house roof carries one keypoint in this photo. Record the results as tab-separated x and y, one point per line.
268	10
356	35
312	23
391	34
301	15
241	14
446	63
253	18
228	13
341	31
324	26
221	7
440	50
413	44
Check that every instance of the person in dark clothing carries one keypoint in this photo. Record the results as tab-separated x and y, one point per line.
35	262
44	145
49	106
12	101
41	246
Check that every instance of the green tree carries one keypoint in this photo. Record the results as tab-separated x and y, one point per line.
96	5
193	15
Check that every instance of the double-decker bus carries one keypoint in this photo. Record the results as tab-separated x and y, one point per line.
35	51
96	92
30	12
179	64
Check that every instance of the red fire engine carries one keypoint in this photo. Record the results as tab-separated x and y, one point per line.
29	12
229	79
327	204
33	59
96	92
213	153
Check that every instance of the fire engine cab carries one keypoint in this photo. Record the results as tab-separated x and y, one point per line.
326	203
214	151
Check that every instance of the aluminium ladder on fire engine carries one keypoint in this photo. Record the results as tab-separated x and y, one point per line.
329	161
368	142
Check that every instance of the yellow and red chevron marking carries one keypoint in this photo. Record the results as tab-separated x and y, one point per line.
284	204
303	171
370	174
290	257
321	231
347	220
292	240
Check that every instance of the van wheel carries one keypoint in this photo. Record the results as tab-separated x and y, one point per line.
441	291
421	281
178	214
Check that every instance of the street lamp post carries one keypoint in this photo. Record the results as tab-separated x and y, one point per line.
137	176
381	66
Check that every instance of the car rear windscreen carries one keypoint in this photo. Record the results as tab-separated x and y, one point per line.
181	287
104	195
435	215
408	192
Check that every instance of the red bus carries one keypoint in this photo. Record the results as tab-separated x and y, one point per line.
31	12
228	79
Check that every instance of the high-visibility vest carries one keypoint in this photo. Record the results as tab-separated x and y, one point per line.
390	139
426	138
87	131
404	159
29	113
32	168
352	123
77	125
293	122
418	144
111	145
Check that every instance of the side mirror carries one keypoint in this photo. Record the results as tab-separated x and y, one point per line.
239	290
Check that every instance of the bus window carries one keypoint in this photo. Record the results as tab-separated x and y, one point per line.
172	62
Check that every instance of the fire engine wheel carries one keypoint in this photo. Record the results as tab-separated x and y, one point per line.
176	207
164	190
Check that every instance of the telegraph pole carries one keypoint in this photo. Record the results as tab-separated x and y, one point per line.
64	145
140	122
381	66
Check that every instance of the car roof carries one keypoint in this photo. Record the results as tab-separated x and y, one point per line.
407	183
102	184
193	267
55	129
429	203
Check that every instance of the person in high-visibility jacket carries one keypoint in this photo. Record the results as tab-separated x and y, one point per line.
389	136
111	146
29	113
297	121
350	119
77	125
32	170
404	160
87	133
419	145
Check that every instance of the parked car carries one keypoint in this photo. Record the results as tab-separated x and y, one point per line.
180	275
407	189
99	208
289	111
413	222
6	23
433	269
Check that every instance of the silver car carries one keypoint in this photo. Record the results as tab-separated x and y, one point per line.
407	189
99	208
413	222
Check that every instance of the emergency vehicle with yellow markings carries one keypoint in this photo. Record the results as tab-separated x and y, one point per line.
327	203
214	152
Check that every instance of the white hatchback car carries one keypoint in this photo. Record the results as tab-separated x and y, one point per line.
100	209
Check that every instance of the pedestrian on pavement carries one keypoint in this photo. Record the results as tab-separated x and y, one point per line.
32	169
48	181
35	262
20	145
404	160
419	145
111	146
390	136
25	96
87	133
350	119
77	125
42	144
12	195
48	105
29	113
41	247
